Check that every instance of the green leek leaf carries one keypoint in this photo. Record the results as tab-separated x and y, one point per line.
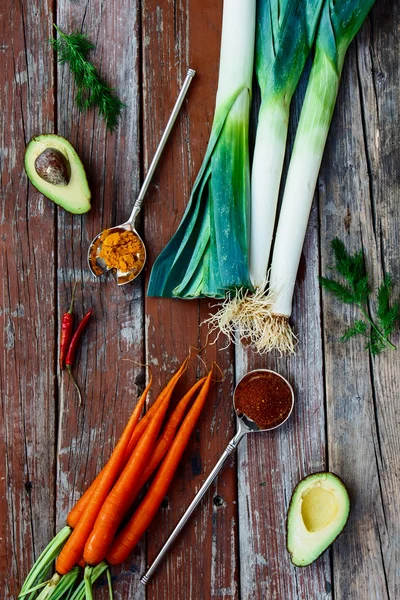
208	254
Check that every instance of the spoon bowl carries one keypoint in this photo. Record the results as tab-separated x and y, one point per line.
247	424
244	425
96	264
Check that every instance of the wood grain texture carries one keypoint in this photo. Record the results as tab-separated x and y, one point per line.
203	562
347	404
379	78
27	303
357	203
110	381
270	464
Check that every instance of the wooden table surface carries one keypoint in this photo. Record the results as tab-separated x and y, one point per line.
347	402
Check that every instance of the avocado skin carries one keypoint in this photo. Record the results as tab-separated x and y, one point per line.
293	497
73	197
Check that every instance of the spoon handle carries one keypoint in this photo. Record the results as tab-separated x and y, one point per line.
230	449
139	201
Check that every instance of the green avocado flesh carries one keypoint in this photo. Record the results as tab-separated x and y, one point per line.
55	169
318	512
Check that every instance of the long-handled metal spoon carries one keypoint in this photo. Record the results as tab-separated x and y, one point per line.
97	264
244	426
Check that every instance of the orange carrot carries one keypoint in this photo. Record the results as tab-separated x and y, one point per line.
77	511
166	438
168	434
123	493
127	539
83	502
73	548
152	410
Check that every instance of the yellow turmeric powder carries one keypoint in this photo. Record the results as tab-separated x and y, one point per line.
122	250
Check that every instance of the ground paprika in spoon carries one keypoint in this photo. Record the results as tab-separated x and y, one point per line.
264	397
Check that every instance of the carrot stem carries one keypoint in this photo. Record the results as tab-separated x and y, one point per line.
88	583
110	590
33	589
41	566
50	587
79	593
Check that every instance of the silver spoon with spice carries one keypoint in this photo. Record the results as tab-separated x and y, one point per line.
263	400
120	249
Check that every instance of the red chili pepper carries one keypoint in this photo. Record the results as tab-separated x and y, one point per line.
67	324
69	361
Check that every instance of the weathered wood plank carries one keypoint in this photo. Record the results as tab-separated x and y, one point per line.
358	193
203	563
109	382
359	203
270	464
379	75
27	309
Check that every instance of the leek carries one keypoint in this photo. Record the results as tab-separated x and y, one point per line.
208	254
284	37
340	21
285	34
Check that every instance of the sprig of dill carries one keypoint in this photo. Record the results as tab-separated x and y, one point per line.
91	90
357	291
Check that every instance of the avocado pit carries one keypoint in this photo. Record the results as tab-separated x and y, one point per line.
52	166
55	169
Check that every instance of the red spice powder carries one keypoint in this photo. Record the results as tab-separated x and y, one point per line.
265	398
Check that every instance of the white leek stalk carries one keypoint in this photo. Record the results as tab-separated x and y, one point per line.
339	23
285	34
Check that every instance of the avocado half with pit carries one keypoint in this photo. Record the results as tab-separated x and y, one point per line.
55	169
318	511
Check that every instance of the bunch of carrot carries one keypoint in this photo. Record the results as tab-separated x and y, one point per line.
94	524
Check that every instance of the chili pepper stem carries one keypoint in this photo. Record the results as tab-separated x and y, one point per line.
71	306
69	369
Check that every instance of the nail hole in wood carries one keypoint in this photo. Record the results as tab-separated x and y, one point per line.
218	501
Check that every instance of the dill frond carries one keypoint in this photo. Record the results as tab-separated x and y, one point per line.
357	291
91	90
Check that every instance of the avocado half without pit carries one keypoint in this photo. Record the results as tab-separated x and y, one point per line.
55	169
318	511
